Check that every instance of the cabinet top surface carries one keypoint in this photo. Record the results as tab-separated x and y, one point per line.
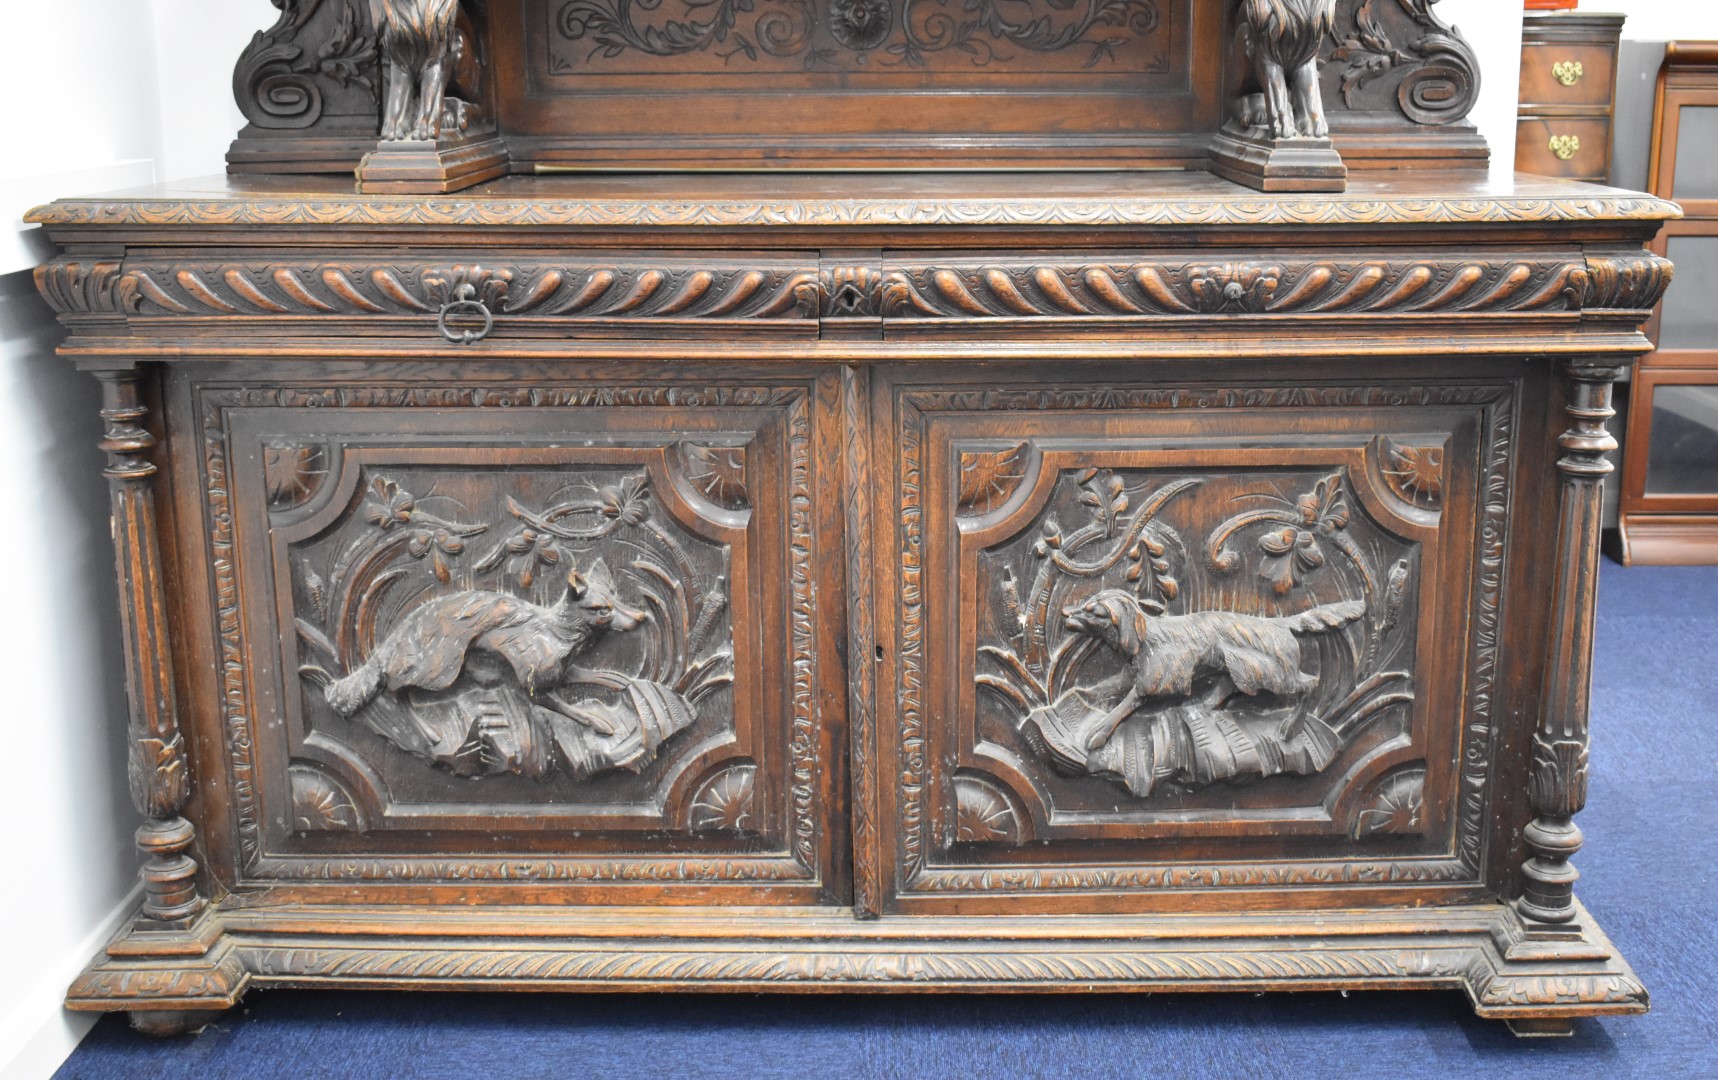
861	199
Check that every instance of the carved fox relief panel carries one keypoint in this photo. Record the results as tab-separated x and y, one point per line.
545	644
1173	635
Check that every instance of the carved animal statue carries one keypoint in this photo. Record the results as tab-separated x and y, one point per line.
418	39
1282	39
1168	654
430	647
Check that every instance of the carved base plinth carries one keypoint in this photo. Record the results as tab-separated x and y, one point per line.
428	168
1509	970
1247	156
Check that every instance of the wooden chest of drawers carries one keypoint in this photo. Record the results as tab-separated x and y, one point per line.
1568	92
1071	580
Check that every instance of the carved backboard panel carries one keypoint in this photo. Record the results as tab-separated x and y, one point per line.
853	80
1144	626
565	624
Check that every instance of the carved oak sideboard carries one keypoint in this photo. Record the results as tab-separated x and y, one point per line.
908	582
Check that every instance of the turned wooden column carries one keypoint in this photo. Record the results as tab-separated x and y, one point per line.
1557	785
160	783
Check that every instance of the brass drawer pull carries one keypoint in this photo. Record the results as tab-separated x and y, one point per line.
465	305
1567	72
1565	146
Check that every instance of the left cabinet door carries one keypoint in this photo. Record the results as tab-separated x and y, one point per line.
501	632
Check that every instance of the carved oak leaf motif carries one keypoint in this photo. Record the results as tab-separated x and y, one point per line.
982	815
988	478
717	472
725	803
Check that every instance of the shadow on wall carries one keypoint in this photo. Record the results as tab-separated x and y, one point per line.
59	643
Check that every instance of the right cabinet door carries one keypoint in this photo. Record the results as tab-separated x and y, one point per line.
1141	638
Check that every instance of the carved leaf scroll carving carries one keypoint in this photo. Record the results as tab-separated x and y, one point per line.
842	35
1436	70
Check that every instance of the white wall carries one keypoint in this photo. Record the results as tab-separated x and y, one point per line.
1662	20
110	94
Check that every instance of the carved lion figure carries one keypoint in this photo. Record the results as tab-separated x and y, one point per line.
1282	38
418	39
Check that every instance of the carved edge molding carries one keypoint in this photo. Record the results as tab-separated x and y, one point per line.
1470	953
1630	281
1497	404
1263	210
236	694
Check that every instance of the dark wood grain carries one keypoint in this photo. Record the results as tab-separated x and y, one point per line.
995	582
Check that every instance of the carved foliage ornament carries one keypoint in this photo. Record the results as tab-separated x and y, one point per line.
318	51
852	35
1434	69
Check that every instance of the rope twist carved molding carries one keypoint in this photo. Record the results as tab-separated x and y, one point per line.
1260	287
546	290
1622	281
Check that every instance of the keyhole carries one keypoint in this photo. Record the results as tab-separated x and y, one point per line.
849	299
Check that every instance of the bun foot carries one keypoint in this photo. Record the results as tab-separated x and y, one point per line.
166	1023
1542	1027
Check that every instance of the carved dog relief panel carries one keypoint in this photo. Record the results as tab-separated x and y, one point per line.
565	630
1168	632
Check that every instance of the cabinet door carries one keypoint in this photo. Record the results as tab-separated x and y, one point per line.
1143	638
548	637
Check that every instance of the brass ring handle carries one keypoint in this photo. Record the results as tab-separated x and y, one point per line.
1567	72
465	302
1565	146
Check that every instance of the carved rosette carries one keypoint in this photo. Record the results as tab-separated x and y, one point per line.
725	803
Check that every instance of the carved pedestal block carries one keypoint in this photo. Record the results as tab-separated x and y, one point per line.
656	585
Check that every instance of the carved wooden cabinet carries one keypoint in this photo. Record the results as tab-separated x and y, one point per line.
919	580
959	583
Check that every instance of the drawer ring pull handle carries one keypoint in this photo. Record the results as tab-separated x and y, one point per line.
1565	146
465	302
1567	72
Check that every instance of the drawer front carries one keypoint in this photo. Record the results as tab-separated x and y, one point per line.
1174	635
1567	75
534	630
1577	148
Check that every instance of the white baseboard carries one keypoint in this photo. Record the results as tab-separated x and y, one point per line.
41	1034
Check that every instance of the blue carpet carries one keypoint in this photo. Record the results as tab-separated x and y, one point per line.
1652	844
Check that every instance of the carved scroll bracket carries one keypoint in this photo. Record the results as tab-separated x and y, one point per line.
1557	785
160	780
